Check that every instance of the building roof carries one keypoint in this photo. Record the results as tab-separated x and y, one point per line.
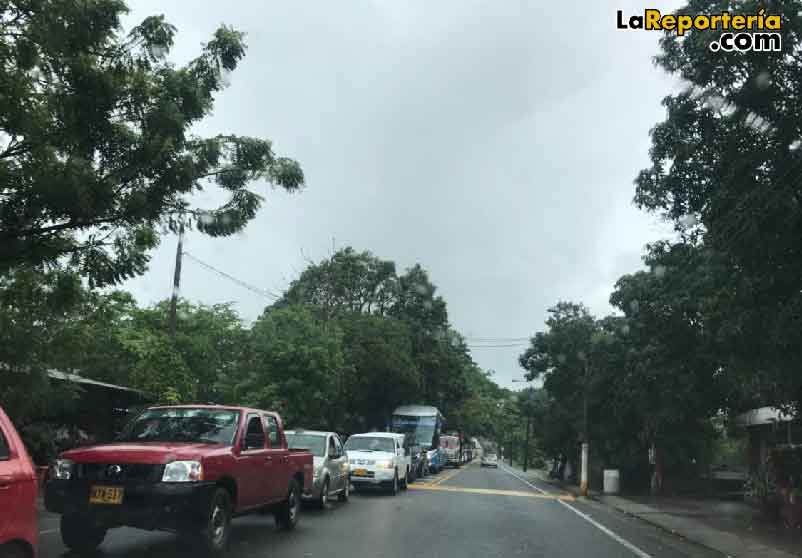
58	375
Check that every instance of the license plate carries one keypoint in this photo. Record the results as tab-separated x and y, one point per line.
106	495
360	472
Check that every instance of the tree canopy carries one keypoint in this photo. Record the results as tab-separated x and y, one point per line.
725	170
96	154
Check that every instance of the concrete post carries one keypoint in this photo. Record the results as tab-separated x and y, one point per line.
583	487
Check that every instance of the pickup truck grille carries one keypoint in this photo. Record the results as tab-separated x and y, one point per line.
118	472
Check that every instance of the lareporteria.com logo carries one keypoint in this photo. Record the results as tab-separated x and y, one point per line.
739	32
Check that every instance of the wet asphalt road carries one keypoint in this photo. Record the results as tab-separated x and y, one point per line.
465	513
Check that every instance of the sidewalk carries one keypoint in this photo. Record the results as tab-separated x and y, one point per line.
733	528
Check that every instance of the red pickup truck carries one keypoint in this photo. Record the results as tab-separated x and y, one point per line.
188	469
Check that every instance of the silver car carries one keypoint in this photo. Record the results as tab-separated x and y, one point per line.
330	463
490	460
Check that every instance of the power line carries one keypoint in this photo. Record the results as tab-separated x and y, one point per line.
498	339
262	292
497	346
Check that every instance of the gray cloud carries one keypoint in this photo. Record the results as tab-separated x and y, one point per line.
494	143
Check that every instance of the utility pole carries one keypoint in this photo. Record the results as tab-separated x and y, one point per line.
176	279
526	447
583	487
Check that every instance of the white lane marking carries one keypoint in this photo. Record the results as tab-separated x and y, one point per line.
619	539
48	531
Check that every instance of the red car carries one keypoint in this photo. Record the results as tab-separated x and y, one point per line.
188	469
19	522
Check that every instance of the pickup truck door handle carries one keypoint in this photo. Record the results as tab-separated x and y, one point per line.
5	483
285	459
269	459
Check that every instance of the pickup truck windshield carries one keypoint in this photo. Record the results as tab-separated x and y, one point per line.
370	444
209	426
316	444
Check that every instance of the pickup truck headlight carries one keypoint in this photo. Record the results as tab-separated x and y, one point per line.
387	464
61	469
183	471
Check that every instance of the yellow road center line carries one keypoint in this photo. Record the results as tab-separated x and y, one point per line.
447	476
452	474
491	491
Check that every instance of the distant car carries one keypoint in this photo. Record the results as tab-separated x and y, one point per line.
490	460
379	459
330	464
19	523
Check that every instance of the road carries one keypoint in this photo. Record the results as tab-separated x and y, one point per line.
464	513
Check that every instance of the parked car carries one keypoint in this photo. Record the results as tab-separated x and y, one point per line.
436	459
188	468
379	459
489	460
330	464
19	523
417	461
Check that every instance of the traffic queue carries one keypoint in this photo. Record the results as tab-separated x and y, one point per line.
191	469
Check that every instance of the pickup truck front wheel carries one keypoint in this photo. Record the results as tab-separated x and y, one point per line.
217	527
287	513
80	535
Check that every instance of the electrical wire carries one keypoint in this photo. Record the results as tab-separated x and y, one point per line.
262	292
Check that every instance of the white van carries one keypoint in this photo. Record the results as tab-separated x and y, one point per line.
378	459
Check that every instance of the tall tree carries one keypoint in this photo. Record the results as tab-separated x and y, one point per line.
348	281
36	327
726	170
96	155
211	341
381	370
293	365
561	356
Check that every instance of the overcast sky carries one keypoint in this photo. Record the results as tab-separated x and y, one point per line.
495	143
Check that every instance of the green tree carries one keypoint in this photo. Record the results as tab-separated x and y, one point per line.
211	341
96	157
293	365
348	281
726	171
381	370
561	354
353	283
157	367
672	378
36	313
